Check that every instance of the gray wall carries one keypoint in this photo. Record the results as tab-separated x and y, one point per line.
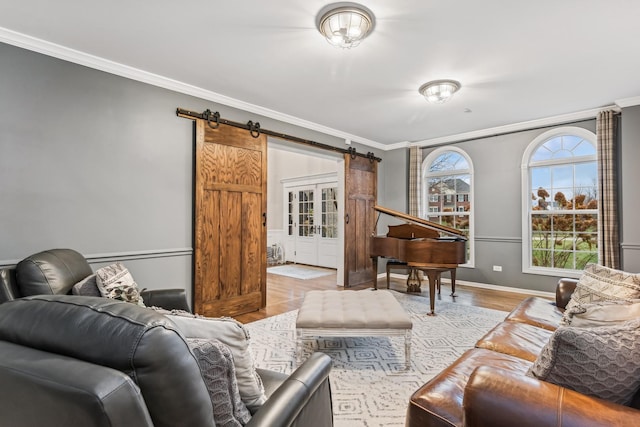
498	217
630	194
102	164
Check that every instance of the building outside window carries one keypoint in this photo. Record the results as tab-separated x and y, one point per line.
560	183
447	175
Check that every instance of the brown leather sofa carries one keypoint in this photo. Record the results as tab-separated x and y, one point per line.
488	386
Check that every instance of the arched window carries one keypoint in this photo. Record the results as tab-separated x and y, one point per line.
560	203
447	198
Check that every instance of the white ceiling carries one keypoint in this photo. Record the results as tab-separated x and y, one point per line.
518	61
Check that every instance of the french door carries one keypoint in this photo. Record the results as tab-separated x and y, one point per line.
312	224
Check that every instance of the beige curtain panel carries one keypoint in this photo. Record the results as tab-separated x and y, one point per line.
415	180
608	224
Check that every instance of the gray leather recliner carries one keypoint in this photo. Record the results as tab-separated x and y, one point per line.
88	361
67	360
55	271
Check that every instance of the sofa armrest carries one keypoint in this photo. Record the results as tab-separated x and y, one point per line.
169	299
564	290
496	397
304	399
47	389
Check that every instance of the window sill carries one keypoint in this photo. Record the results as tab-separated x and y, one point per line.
575	274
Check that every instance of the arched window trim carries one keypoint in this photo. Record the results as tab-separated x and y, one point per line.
585	134
424	210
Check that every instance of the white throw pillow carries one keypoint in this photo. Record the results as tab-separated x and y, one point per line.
599	283
114	281
234	335
603	313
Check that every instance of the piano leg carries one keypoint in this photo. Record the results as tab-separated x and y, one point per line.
453	282
413	281
434	276
374	260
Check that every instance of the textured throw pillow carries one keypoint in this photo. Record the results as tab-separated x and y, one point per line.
601	361
603	313
234	335
87	287
114	281
599	283
216	364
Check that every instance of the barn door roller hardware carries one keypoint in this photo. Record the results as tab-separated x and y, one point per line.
214	121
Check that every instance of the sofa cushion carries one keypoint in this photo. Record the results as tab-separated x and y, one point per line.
603	313
87	287
114	281
516	339
216	364
536	311
441	398
601	361
235	336
599	283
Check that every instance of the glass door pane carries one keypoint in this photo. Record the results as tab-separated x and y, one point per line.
305	213
330	212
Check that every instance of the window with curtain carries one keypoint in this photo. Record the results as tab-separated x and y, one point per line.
560	203
447	175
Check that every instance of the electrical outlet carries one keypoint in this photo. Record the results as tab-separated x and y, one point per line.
497	268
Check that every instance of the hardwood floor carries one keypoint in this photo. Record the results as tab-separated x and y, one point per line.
286	294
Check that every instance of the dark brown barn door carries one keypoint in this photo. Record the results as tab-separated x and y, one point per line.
361	180
230	221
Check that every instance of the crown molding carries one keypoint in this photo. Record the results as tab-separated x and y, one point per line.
398	145
628	102
515	127
77	57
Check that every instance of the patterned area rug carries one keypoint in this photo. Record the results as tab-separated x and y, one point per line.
369	386
299	271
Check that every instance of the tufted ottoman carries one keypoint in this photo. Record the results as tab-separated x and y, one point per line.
352	314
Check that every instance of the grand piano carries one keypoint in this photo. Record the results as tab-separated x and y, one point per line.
423	245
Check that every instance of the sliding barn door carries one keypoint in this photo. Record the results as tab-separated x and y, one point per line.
230	221
361	179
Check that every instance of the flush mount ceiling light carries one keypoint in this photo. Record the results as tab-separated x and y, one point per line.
345	24
439	91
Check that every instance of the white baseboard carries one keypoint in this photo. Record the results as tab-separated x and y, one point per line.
483	286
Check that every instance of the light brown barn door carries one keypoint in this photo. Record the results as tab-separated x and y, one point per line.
361	180
230	221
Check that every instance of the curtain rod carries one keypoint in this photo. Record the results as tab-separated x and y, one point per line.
214	120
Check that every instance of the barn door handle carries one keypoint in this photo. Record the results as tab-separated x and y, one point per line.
346	219
264	219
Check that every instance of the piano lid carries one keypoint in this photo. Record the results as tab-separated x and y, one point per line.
423	222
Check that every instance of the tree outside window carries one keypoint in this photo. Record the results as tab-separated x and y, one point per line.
561	202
